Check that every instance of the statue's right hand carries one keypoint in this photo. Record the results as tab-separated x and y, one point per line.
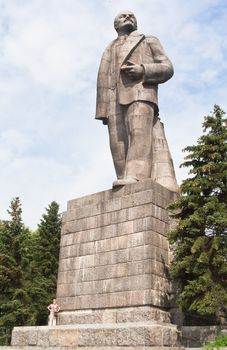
133	70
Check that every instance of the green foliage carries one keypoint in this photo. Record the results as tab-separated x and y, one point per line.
44	245
49	238
13	296
28	269
199	266
220	342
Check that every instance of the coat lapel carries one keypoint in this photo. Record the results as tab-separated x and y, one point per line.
129	46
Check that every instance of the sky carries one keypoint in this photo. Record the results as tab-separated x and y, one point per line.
51	147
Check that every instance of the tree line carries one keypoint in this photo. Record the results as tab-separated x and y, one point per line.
28	268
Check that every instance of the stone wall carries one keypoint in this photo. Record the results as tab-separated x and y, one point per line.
196	336
114	251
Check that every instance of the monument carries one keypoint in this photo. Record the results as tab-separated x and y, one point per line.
131	68
113	282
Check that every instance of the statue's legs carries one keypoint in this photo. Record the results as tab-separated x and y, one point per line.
139	119
139	147
118	141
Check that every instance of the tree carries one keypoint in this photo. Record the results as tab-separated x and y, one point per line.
44	246
199	266
28	269
14	299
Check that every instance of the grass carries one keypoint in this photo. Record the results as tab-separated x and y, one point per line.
219	343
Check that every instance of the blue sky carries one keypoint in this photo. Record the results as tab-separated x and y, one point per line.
51	148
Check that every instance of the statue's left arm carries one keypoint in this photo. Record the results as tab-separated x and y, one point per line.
161	69
102	98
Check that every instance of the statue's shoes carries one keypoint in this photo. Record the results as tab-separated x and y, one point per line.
125	181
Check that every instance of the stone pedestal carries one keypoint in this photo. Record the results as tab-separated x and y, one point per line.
113	283
114	251
128	336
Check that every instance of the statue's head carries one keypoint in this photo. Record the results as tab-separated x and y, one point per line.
125	22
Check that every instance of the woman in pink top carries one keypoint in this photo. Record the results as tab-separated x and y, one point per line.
54	308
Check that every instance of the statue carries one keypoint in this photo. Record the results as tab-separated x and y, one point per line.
131	68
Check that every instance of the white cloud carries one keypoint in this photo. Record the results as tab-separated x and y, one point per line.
14	142
50	146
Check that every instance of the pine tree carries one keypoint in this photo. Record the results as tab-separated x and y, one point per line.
49	231
28	269
199	266
45	245
14	300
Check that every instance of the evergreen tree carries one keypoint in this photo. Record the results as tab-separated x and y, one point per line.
199	266
49	231
14	299
28	269
44	246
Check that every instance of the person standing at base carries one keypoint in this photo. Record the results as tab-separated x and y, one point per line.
54	308
131	68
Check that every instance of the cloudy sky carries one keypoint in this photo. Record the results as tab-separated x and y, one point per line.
51	148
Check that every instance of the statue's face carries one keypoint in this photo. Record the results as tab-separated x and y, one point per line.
125	22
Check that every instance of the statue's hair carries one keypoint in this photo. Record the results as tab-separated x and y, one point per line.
116	20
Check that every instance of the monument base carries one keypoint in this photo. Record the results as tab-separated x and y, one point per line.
114	315
113	282
114	250
99	336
